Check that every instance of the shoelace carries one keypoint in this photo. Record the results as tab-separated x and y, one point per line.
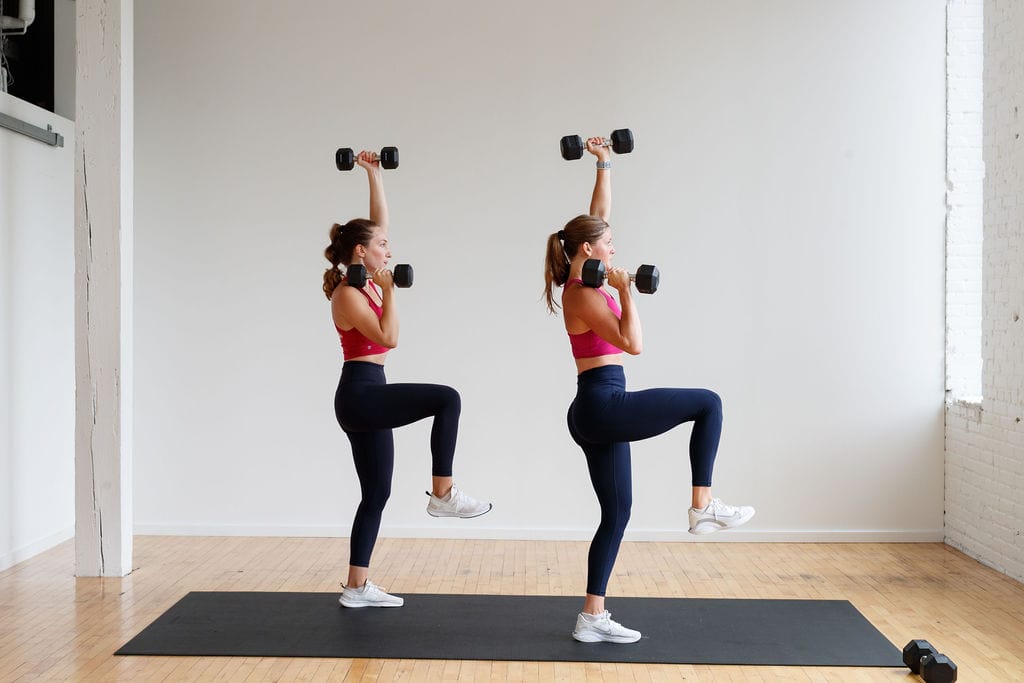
720	508
458	499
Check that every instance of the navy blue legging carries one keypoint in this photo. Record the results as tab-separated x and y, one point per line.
604	418
368	408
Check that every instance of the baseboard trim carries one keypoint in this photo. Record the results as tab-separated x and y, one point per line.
561	534
41	545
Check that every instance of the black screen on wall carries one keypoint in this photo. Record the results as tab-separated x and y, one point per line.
29	57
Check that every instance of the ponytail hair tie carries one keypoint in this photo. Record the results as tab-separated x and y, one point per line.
561	234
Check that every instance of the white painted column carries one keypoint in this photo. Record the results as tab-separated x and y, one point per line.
104	142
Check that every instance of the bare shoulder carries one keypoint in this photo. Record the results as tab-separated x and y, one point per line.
344	298
343	293
582	307
577	294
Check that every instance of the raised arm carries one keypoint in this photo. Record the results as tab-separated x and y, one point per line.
378	203
601	202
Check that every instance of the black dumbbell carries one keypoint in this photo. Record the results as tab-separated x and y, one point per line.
356	275
345	158
923	659
646	277
621	142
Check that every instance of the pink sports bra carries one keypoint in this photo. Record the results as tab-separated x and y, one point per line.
354	343
588	344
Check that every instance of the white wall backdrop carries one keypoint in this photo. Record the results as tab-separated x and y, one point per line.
37	336
788	180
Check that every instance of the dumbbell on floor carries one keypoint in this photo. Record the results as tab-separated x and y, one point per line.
923	659
621	142
345	158
646	277
356	275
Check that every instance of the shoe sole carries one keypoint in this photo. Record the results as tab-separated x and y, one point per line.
713	529
447	514
354	605
621	640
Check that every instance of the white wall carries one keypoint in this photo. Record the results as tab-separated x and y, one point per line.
37	376
965	175
985	441
788	180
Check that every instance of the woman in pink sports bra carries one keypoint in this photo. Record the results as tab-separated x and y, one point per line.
366	406
604	418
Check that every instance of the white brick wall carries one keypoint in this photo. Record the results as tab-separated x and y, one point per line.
985	442
965	172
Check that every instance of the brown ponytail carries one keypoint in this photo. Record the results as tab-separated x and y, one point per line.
562	247
344	239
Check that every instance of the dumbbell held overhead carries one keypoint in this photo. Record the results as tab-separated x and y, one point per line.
573	146
356	275
646	276
345	158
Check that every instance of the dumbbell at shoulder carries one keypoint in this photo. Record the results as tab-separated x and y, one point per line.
356	275
647	277
345	158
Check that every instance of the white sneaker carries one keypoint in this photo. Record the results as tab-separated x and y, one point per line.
599	628
717	516
368	595
456	504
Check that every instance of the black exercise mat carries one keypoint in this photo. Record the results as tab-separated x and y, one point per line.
508	627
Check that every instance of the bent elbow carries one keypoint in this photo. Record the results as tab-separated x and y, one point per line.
633	348
389	337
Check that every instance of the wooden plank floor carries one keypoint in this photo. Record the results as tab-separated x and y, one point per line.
56	627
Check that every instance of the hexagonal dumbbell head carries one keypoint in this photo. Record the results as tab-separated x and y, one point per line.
355	275
647	278
389	157
403	275
345	159
938	669
571	147
914	651
593	272
622	141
